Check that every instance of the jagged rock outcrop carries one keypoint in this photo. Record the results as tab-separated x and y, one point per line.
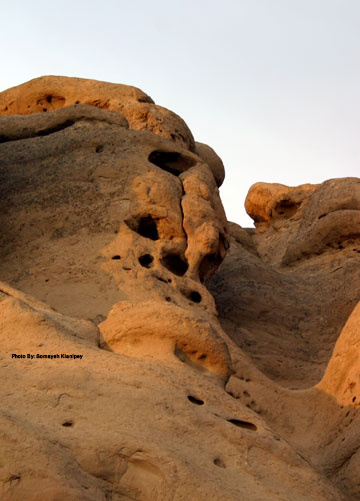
154	373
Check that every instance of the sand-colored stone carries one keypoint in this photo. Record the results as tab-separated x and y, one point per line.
212	159
341	378
50	93
164	331
267	201
296	223
112	425
113	198
207	369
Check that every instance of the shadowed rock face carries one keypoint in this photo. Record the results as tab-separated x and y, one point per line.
111	225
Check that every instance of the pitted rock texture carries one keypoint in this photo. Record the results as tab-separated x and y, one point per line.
50	93
93	190
121	427
203	345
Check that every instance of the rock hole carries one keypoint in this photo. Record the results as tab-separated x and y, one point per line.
287	208
195	400
243	424
117	257
77	102
219	463
168	299
145	99
195	297
48	99
175	264
146	260
171	161
354	398
231	394
67	424
44	109
147	228
162	279
14	478
99	148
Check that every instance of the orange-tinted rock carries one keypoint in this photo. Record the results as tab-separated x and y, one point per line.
163	331
341	378
50	93
215	163
266	201
111	223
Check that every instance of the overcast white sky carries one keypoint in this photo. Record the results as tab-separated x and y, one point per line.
272	85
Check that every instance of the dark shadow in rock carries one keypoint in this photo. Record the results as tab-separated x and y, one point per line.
171	161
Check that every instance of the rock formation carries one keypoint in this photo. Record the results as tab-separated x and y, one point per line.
134	366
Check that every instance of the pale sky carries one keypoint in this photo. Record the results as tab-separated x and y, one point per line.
272	85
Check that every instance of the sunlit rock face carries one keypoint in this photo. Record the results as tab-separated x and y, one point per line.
153	373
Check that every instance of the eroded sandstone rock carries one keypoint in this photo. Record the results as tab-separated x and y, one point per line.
294	224
50	93
112	425
111	225
165	331
102	213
